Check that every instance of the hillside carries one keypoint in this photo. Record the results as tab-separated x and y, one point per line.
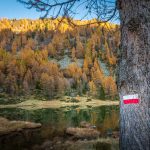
43	57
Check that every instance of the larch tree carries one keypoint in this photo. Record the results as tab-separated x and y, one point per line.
73	53
133	77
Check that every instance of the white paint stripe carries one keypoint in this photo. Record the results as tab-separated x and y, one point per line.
134	96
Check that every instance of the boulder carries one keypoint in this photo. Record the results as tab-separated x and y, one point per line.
7	126
83	133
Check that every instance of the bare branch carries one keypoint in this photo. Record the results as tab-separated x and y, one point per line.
102	10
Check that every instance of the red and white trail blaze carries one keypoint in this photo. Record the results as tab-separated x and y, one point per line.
131	99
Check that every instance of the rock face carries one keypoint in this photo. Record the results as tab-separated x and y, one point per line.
7	126
83	133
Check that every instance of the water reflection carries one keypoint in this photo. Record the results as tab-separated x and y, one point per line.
55	121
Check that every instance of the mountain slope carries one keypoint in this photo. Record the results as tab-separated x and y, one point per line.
43	57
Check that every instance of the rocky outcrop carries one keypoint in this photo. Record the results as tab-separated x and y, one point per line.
83	133
7	126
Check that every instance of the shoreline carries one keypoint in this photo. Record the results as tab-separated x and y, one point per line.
82	102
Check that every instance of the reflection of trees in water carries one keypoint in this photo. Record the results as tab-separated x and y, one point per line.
110	122
104	117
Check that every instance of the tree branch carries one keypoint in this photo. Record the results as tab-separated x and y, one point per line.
103	10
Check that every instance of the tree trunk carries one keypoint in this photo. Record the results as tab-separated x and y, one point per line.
134	74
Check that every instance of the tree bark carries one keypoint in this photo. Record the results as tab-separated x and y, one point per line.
134	74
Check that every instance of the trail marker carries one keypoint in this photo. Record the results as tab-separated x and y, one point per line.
131	99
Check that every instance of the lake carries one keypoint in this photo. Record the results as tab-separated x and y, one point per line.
56	121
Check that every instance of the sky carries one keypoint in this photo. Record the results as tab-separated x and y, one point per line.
14	10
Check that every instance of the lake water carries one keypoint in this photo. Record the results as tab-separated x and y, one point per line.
54	123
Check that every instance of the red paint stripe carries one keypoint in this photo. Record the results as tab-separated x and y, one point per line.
131	101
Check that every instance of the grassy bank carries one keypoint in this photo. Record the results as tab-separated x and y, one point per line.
81	102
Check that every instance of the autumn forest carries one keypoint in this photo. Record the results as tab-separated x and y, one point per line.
32	54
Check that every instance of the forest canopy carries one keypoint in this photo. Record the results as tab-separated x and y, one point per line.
47	58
